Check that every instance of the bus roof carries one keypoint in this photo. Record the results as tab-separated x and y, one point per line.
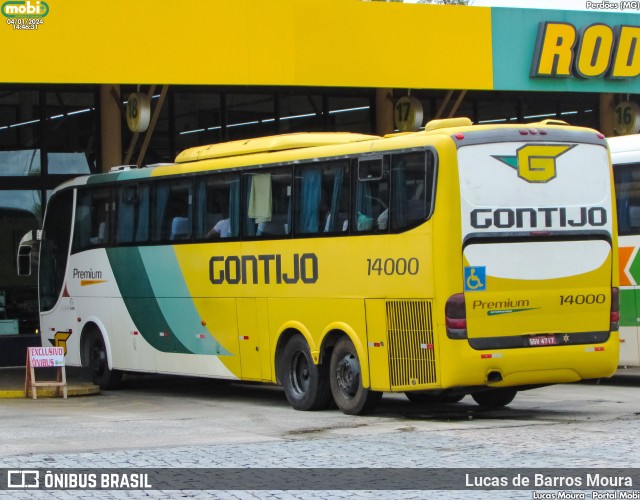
624	143
271	143
295	146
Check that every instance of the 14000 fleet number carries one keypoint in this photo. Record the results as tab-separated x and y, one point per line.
582	299
391	267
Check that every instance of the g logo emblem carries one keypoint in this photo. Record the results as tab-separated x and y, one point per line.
536	162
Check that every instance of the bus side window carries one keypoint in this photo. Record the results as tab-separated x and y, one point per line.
171	211
371	195
322	189
217	206
411	189
268	199
92	218
126	219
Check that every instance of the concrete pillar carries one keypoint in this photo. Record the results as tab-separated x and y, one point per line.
607	114
384	111
110	126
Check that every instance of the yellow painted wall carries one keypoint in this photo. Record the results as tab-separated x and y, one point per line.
254	42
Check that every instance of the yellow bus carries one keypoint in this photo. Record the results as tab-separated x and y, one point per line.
462	259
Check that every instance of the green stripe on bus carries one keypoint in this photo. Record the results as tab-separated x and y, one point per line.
138	297
628	316
162	310
174	299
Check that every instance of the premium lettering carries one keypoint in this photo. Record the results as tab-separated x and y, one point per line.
88	274
264	269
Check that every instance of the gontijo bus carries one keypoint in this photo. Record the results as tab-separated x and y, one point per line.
456	260
625	156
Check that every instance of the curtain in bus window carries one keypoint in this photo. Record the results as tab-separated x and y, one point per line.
126	214
160	208
398	195
364	207
260	198
202	225
234	207
142	228
311	190
336	197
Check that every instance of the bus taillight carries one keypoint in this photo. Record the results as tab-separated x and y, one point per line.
456	317
615	308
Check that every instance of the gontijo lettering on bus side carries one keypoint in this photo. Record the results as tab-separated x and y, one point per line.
267	269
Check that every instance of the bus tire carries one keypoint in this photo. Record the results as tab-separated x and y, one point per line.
102	375
306	384
346	381
495	398
429	398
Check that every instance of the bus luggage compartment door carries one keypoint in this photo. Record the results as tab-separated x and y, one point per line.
537	293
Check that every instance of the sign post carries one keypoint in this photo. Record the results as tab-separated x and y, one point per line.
45	357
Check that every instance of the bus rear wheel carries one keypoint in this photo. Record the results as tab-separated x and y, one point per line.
102	375
306	384
346	381
495	398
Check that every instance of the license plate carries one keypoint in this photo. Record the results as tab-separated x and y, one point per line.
540	340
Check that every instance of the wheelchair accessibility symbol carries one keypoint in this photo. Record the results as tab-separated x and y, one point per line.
475	279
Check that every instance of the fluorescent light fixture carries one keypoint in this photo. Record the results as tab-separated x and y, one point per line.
294	117
185	132
547	115
497	120
348	110
243	124
80	111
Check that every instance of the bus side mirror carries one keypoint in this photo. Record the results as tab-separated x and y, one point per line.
25	250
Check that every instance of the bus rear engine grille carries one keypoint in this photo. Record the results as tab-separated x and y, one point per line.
411	348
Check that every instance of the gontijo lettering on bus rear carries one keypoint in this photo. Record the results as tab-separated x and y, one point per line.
267	269
538	218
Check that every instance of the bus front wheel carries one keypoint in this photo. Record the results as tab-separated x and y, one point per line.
346	381
495	398
306	384
102	375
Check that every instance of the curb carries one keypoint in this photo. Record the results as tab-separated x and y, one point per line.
50	392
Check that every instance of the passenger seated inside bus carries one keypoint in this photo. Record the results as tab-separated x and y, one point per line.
180	228
221	229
